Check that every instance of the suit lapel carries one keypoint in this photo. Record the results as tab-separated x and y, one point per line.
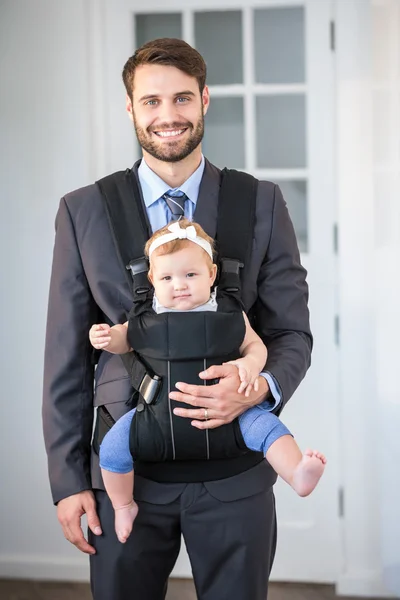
206	211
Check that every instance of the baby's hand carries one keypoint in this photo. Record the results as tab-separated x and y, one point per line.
248	374
99	336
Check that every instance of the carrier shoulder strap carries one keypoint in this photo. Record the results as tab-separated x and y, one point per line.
128	224
126	216
236	215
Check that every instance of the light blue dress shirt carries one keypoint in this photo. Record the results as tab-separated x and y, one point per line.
153	188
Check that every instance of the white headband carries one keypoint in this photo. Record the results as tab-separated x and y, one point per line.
178	233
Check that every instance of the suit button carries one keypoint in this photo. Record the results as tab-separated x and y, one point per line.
140	407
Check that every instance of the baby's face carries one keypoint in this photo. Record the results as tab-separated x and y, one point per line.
182	280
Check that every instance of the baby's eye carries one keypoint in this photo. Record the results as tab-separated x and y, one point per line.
191	275
167	278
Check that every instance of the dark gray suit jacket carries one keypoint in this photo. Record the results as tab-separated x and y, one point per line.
88	282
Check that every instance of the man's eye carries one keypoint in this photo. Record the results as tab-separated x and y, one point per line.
151	102
182	100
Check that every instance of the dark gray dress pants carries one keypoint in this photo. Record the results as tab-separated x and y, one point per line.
231	540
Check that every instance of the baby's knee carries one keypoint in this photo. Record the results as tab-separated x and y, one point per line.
107	453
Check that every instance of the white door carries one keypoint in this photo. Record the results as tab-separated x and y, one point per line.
270	72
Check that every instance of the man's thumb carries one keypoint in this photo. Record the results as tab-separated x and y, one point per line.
93	521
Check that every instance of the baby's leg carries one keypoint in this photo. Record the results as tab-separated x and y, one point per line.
263	431
117	471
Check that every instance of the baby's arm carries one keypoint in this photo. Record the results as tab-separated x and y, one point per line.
113	339
254	356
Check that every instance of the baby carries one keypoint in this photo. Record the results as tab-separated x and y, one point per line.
182	273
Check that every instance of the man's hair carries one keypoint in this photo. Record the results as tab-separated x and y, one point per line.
170	52
178	244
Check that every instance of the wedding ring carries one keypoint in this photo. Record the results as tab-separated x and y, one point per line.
205	414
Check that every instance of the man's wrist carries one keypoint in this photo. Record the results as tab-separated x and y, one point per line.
263	390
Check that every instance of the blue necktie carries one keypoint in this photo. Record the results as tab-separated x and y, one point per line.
176	203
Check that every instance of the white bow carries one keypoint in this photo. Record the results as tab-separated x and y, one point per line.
181	233
178	232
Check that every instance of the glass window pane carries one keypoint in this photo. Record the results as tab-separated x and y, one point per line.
281	131
295	195
224	133
279	45
219	39
157	25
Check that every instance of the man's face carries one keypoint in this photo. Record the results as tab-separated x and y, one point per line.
167	112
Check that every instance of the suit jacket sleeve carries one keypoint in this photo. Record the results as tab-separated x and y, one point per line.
281	312
68	373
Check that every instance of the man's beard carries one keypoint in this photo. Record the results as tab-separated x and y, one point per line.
171	151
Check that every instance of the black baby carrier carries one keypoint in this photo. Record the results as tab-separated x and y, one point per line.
170	346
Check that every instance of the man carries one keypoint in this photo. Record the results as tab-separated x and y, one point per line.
228	522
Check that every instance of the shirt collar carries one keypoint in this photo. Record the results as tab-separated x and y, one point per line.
153	187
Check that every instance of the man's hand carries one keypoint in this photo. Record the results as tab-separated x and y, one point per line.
69	513
222	400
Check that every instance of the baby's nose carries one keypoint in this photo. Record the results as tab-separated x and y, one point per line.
180	284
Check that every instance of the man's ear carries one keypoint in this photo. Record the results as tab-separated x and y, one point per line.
205	99
129	108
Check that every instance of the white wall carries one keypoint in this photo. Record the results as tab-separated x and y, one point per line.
386	121
44	125
367	360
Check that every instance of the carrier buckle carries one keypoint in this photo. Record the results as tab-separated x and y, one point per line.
231	265
137	266
149	387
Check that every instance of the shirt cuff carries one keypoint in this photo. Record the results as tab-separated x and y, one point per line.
272	402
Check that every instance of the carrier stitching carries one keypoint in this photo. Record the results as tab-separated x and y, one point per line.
207	438
170	411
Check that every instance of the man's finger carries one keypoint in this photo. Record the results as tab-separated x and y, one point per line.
74	534
94	522
193	394
190	413
209	424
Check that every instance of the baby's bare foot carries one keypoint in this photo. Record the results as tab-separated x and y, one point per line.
308	472
124	518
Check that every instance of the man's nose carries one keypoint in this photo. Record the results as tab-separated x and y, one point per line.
168	113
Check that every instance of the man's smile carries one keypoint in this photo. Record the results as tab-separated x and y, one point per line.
169	133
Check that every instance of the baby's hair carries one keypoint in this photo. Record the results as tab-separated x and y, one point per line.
179	244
